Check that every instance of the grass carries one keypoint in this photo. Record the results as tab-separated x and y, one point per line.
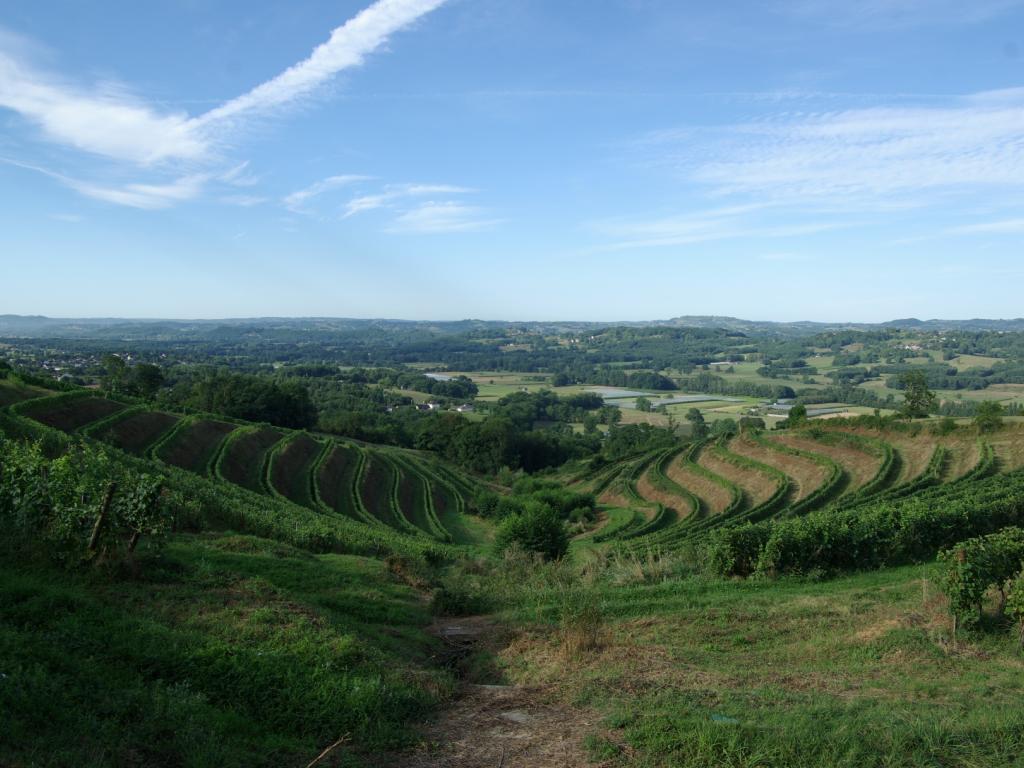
225	650
855	672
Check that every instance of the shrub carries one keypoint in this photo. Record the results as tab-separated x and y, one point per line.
82	506
537	528
974	565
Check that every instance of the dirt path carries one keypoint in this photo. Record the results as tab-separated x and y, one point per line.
497	726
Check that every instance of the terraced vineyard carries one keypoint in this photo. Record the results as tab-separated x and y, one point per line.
244	458
712	485
387	488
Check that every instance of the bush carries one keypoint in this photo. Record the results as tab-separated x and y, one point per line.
974	565
537	528
82	506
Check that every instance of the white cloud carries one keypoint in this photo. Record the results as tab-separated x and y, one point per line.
864	154
296	200
243	201
347	47
445	216
108	121
105	121
145	196
363	204
395	192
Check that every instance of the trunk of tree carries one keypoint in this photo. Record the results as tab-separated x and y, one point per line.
97	527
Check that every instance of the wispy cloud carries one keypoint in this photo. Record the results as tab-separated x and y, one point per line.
296	200
448	216
107	120
755	220
144	196
396	192
347	47
148	197
877	155
1003	227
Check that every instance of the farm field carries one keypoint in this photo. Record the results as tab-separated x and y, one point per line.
14	392
138	431
69	414
290	467
194	444
244	458
293	463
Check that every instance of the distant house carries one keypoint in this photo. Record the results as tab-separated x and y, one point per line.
465	408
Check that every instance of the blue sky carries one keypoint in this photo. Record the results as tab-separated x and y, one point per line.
513	159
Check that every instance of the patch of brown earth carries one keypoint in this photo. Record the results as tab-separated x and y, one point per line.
963	457
512	726
859	465
715	497
805	474
646	488
758	486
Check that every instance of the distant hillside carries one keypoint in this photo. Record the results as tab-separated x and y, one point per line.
280	328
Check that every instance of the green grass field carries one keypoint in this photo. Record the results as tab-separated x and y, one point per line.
855	672
230	651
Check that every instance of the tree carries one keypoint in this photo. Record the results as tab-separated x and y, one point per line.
989	416
723	427
147	378
797	415
751	422
918	400
644	405
698	427
116	368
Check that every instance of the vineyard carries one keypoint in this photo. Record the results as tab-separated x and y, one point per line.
771	479
389	490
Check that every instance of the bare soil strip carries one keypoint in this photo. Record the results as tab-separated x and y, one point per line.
805	474
646	488
715	497
758	486
860	466
964	455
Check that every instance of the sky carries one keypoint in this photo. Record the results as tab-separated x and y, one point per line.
512	159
